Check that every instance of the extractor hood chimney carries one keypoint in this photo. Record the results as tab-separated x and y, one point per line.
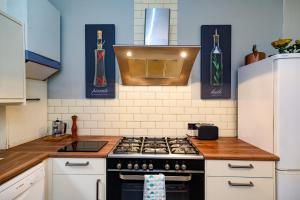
156	63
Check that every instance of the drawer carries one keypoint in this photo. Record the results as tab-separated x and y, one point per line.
239	168
234	188
79	166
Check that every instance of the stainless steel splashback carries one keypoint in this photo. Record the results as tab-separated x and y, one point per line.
157	21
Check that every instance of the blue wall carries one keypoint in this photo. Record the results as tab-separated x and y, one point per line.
253	21
70	81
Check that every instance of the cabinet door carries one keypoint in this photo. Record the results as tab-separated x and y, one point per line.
79	187
229	188
12	66
43	29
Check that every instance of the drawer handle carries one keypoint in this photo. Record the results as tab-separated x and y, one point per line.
97	189
250	184
250	166
76	164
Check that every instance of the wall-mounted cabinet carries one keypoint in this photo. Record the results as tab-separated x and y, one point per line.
42	36
12	66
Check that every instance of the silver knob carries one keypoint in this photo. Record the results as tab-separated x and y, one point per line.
144	166
177	166
150	166
129	166
167	166
183	166
136	166
119	166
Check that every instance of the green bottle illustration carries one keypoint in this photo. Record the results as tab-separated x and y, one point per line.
216	62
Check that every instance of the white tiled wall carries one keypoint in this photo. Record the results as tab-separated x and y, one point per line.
140	111
146	110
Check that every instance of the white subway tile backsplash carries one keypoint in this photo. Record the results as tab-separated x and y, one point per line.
97	131
111	103
98	117
134	110
157	132
90	109
90	124
155	117
97	102
155	103
54	102
51	109
148	110
147	124
184	118
127	131
111	117
126	103
111	131
83	102
126	117
74	110
162	124
52	117
137	132
119	124
84	131
133	124
104	124
140	117
82	116
162	110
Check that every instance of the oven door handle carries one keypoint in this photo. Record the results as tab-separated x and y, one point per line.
167	178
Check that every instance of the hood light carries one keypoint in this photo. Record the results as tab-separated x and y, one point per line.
183	54
129	54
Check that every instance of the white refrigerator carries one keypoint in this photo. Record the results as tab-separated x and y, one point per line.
269	115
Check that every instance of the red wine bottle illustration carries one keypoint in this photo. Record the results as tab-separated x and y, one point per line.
100	77
216	62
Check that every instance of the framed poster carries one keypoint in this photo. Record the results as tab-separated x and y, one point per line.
99	60
215	61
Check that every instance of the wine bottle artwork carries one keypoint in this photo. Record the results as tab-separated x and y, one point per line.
100	80
216	62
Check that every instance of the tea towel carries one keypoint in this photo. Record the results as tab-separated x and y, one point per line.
154	187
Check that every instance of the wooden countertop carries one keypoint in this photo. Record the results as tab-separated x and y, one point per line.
231	148
20	158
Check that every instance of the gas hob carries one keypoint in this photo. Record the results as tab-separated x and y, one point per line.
154	147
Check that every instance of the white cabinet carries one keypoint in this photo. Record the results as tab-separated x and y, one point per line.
235	180
42	26
78	187
12	66
78	178
29	185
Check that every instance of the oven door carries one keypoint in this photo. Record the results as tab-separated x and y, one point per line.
179	186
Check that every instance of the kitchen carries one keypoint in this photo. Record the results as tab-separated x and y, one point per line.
56	89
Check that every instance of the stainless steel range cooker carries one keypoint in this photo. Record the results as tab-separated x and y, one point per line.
176	158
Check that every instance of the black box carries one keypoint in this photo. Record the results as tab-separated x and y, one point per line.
208	132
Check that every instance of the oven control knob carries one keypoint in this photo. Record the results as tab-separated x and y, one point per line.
119	165
183	166
177	166
136	166
150	166
144	166
167	166
129	166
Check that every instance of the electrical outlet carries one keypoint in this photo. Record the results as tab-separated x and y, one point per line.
192	126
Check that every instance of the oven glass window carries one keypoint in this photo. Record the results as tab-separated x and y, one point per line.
174	191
